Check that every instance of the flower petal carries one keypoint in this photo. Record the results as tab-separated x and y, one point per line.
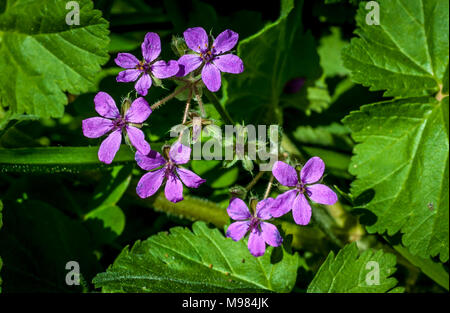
285	174
150	161
137	139
138	112
237	230
105	105
211	77
301	210
256	243
126	60
283	203
95	127
237	210
143	84
196	39
128	76
161	69
322	194
271	234
174	189
225	41
110	146
312	171
188	63
229	63
149	184
151	47
179	153
189	178
263	208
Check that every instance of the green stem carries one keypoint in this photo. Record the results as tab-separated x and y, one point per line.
218	106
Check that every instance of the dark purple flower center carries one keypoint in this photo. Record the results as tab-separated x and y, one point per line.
143	66
301	187
254	223
119	123
170	168
207	56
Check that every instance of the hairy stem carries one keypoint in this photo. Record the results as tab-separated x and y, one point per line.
200	102
169	97
254	181
269	187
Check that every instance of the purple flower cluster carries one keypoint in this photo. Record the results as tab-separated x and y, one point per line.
213	59
304	185
129	122
209	60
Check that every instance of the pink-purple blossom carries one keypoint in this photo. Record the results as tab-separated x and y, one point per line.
115	124
214	58
305	186
260	232
166	169
144	71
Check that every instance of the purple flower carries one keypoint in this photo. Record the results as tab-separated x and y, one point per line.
260	232
213	58
151	48
115	123
295	198
168	169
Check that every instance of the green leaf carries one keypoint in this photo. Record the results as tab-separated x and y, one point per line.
352	272
44	57
402	155
403	158
105	219
37	242
199	261
112	187
435	270
278	53
105	223
58	159
330	53
407	54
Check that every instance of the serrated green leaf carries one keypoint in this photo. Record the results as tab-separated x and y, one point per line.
199	261
403	158
352	272
278	53
407	54
44	57
403	152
